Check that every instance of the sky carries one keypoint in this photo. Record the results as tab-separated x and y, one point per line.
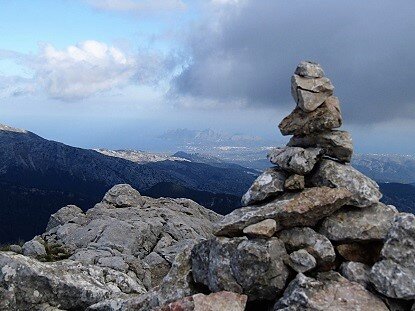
118	73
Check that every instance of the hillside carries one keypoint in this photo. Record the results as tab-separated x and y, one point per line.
38	176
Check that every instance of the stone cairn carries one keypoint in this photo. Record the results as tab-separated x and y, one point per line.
312	234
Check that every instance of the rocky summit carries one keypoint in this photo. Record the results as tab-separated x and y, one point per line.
311	235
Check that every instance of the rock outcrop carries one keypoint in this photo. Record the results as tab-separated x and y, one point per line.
311	235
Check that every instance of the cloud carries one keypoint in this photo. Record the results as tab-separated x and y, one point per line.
83	70
137	6
246	51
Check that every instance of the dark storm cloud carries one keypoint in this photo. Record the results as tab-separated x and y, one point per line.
249	51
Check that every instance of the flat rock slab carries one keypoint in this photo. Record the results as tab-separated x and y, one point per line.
270	183
333	174
295	160
359	224
305	208
394	276
213	302
326	117
263	229
335	144
26	283
252	267
328	292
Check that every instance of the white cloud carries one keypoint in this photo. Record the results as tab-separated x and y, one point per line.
83	70
137	6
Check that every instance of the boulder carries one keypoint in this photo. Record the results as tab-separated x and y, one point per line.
326	117
65	214
305	208
335	144
306	238
123	195
269	184
333	174
34	249
252	267
310	93
294	182
329	291
367	253
355	224
296	160
356	272
16	249
394	275
124	238
263	229
66	284
302	261
309	69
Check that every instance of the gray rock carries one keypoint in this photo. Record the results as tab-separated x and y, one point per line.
270	183
263	229
333	174
310	93
177	284
252	267
294	182
394	275
122	238
328	292
357	224
356	272
67	284
296	160
34	249
290	210
16	249
302	261
335	144
325	117
123	195
158	266
65	214
306	238
309	69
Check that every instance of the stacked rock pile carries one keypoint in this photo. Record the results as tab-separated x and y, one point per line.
313	234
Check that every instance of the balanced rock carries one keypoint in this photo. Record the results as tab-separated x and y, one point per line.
394	275
305	208
335	144
306	238
302	261
295	159
294	182
328	292
357	224
325	117
356	272
253	267
333	174
270	183
309	69
310	93
123	195
263	229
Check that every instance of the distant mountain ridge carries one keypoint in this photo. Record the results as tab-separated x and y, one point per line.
38	176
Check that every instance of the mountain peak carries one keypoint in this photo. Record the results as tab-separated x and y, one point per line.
7	128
